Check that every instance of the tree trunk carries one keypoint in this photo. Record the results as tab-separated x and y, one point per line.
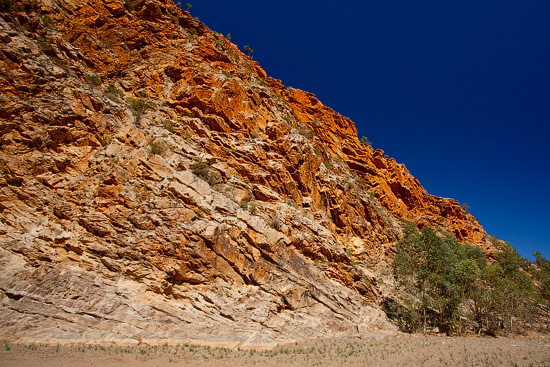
424	317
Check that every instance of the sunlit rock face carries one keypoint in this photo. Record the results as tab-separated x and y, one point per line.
157	186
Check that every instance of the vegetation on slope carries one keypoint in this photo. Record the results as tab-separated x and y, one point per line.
454	288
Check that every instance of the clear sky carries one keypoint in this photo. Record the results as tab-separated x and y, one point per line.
458	91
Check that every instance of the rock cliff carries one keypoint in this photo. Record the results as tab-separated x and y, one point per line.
156	185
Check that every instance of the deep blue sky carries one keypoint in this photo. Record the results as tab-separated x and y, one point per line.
458	91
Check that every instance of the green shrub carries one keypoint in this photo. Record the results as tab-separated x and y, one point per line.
365	141
93	79
203	170
248	51
169	126
200	168
362	184
113	93
105	140
156	148
191	34
293	203
46	46
404	313
56	60
234	55
140	105
47	22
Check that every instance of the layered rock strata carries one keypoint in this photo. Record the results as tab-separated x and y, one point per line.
156	185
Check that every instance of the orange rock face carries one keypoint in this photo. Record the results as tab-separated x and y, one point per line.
157	185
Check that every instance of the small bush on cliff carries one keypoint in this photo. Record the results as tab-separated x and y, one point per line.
47	22
191	34
105	140
140	105
168	125
113	93
93	80
248	51
204	170
233	55
200	168
156	148
365	141
46	46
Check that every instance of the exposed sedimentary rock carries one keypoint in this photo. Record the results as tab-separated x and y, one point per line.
156	185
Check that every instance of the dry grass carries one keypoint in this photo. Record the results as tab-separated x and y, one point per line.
390	351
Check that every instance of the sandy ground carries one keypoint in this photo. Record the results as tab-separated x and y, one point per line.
389	351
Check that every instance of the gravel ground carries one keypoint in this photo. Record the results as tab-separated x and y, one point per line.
396	351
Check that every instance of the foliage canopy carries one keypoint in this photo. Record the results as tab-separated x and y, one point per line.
453	287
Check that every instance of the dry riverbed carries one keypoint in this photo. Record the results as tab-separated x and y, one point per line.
388	351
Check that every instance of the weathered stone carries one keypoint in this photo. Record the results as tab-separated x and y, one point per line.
187	197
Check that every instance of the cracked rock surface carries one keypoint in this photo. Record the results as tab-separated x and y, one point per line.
156	186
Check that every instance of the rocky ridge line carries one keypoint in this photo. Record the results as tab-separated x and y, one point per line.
157	186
